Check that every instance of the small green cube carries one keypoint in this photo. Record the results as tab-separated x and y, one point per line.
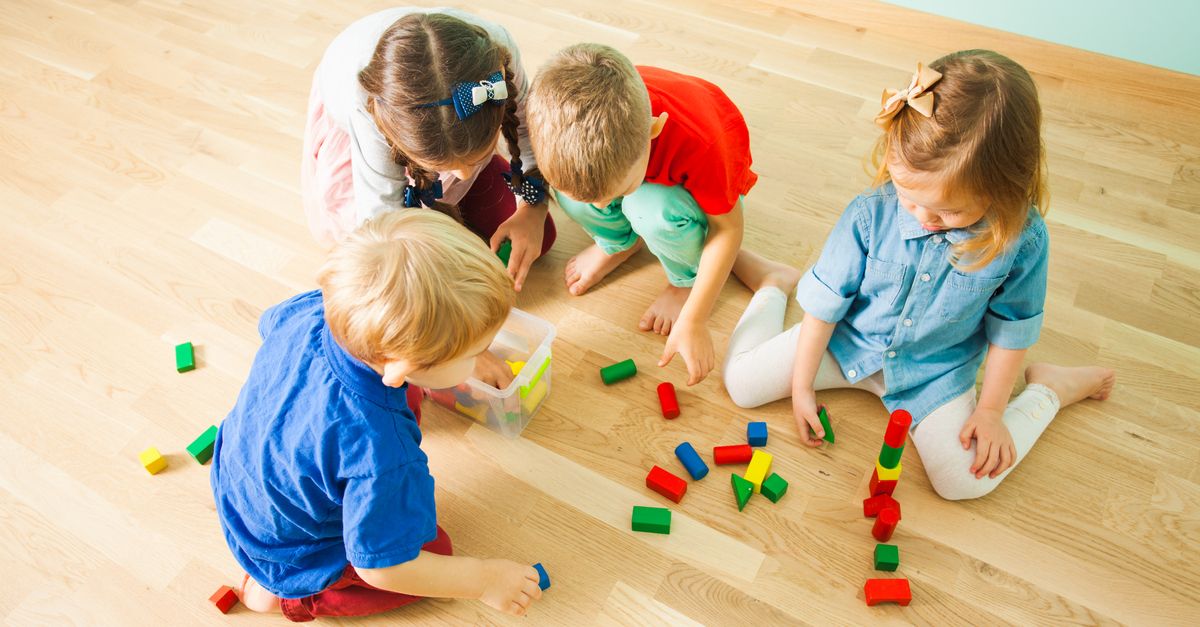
201	449
887	557
742	489
651	519
185	357
774	487
824	416
504	251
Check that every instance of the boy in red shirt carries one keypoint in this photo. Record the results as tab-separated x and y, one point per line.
646	155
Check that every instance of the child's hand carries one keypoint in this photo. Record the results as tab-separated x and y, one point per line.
804	408
492	370
525	229
693	342
994	448
509	587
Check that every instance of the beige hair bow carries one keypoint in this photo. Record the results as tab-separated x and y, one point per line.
916	96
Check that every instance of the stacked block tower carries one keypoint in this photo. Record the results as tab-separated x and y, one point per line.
886	510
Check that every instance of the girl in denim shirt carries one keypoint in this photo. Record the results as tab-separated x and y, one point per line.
939	269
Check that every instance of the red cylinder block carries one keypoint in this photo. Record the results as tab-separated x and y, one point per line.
885	524
667	400
734	454
897	429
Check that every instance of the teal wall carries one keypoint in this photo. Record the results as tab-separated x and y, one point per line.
1165	33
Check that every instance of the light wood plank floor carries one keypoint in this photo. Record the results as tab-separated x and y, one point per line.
148	190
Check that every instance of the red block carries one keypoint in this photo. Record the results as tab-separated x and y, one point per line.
881	487
897	429
667	400
224	598
733	454
887	591
885	524
666	484
873	505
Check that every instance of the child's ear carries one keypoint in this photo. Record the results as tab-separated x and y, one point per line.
395	373
657	123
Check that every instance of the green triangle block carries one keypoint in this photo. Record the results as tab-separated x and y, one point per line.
887	557
774	487
823	415
742	490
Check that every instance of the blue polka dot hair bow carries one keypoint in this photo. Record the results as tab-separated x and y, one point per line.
415	197
468	98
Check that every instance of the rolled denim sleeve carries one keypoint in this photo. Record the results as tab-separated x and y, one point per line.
827	290
1015	312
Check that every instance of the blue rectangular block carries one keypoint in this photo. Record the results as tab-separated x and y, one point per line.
543	578
691	461
756	433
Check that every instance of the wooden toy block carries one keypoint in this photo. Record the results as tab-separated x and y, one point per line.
691	461
535	397
667	400
666	484
823	415
515	366
885	524
881	486
734	454
478	413
445	398
873	505
760	465
185	357
897	429
201	449
888	474
544	578
742	490
879	591
152	460
887	557
889	456
651	519
504	252
224	598
618	372
774	487
756	433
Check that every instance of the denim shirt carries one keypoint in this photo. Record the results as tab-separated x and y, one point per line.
902	308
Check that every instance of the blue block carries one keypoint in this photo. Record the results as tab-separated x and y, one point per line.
543	578
691	460
756	433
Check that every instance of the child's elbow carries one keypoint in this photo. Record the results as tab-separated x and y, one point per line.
375	577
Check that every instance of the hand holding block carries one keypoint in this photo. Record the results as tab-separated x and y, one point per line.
666	484
823	416
544	578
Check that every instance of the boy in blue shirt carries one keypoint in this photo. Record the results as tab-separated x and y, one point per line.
322	490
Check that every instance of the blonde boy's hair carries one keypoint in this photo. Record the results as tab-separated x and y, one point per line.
589	120
985	138
413	285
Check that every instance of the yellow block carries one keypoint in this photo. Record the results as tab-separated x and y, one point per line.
760	466
887	474
515	366
534	398
152	460
478	412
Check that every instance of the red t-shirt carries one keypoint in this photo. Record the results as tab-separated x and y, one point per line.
704	146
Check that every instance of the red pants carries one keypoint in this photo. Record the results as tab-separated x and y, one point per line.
489	203
351	596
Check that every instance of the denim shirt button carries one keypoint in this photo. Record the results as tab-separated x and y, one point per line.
852	373
937	239
908	322
925	277
891	353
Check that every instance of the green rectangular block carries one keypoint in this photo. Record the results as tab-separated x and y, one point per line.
201	449
504	252
890	457
651	519
887	557
185	357
823	415
774	487
618	371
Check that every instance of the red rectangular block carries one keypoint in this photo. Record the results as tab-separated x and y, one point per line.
887	591
885	524
897	428
668	401
733	454
666	484
872	505
881	487
224	598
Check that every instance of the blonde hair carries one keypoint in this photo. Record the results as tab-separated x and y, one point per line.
589	120
413	285
984	139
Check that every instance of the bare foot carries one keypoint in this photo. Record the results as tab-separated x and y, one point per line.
1073	384
757	272
664	311
258	599
590	266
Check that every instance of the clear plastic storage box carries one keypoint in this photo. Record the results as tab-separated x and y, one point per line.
523	342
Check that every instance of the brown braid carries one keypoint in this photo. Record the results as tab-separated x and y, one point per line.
510	125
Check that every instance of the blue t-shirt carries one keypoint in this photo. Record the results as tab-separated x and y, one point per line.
901	307
319	463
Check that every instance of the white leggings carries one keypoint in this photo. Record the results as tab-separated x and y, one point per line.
758	370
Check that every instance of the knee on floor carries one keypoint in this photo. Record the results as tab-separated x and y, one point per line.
960	485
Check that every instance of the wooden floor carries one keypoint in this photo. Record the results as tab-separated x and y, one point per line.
148	194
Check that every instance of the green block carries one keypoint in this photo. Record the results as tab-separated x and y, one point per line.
887	557
504	251
774	487
742	490
201	449
651	519
824	416
890	457
185	357
618	371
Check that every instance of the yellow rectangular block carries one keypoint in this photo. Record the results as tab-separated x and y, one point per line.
759	468
887	474
152	460
478	412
